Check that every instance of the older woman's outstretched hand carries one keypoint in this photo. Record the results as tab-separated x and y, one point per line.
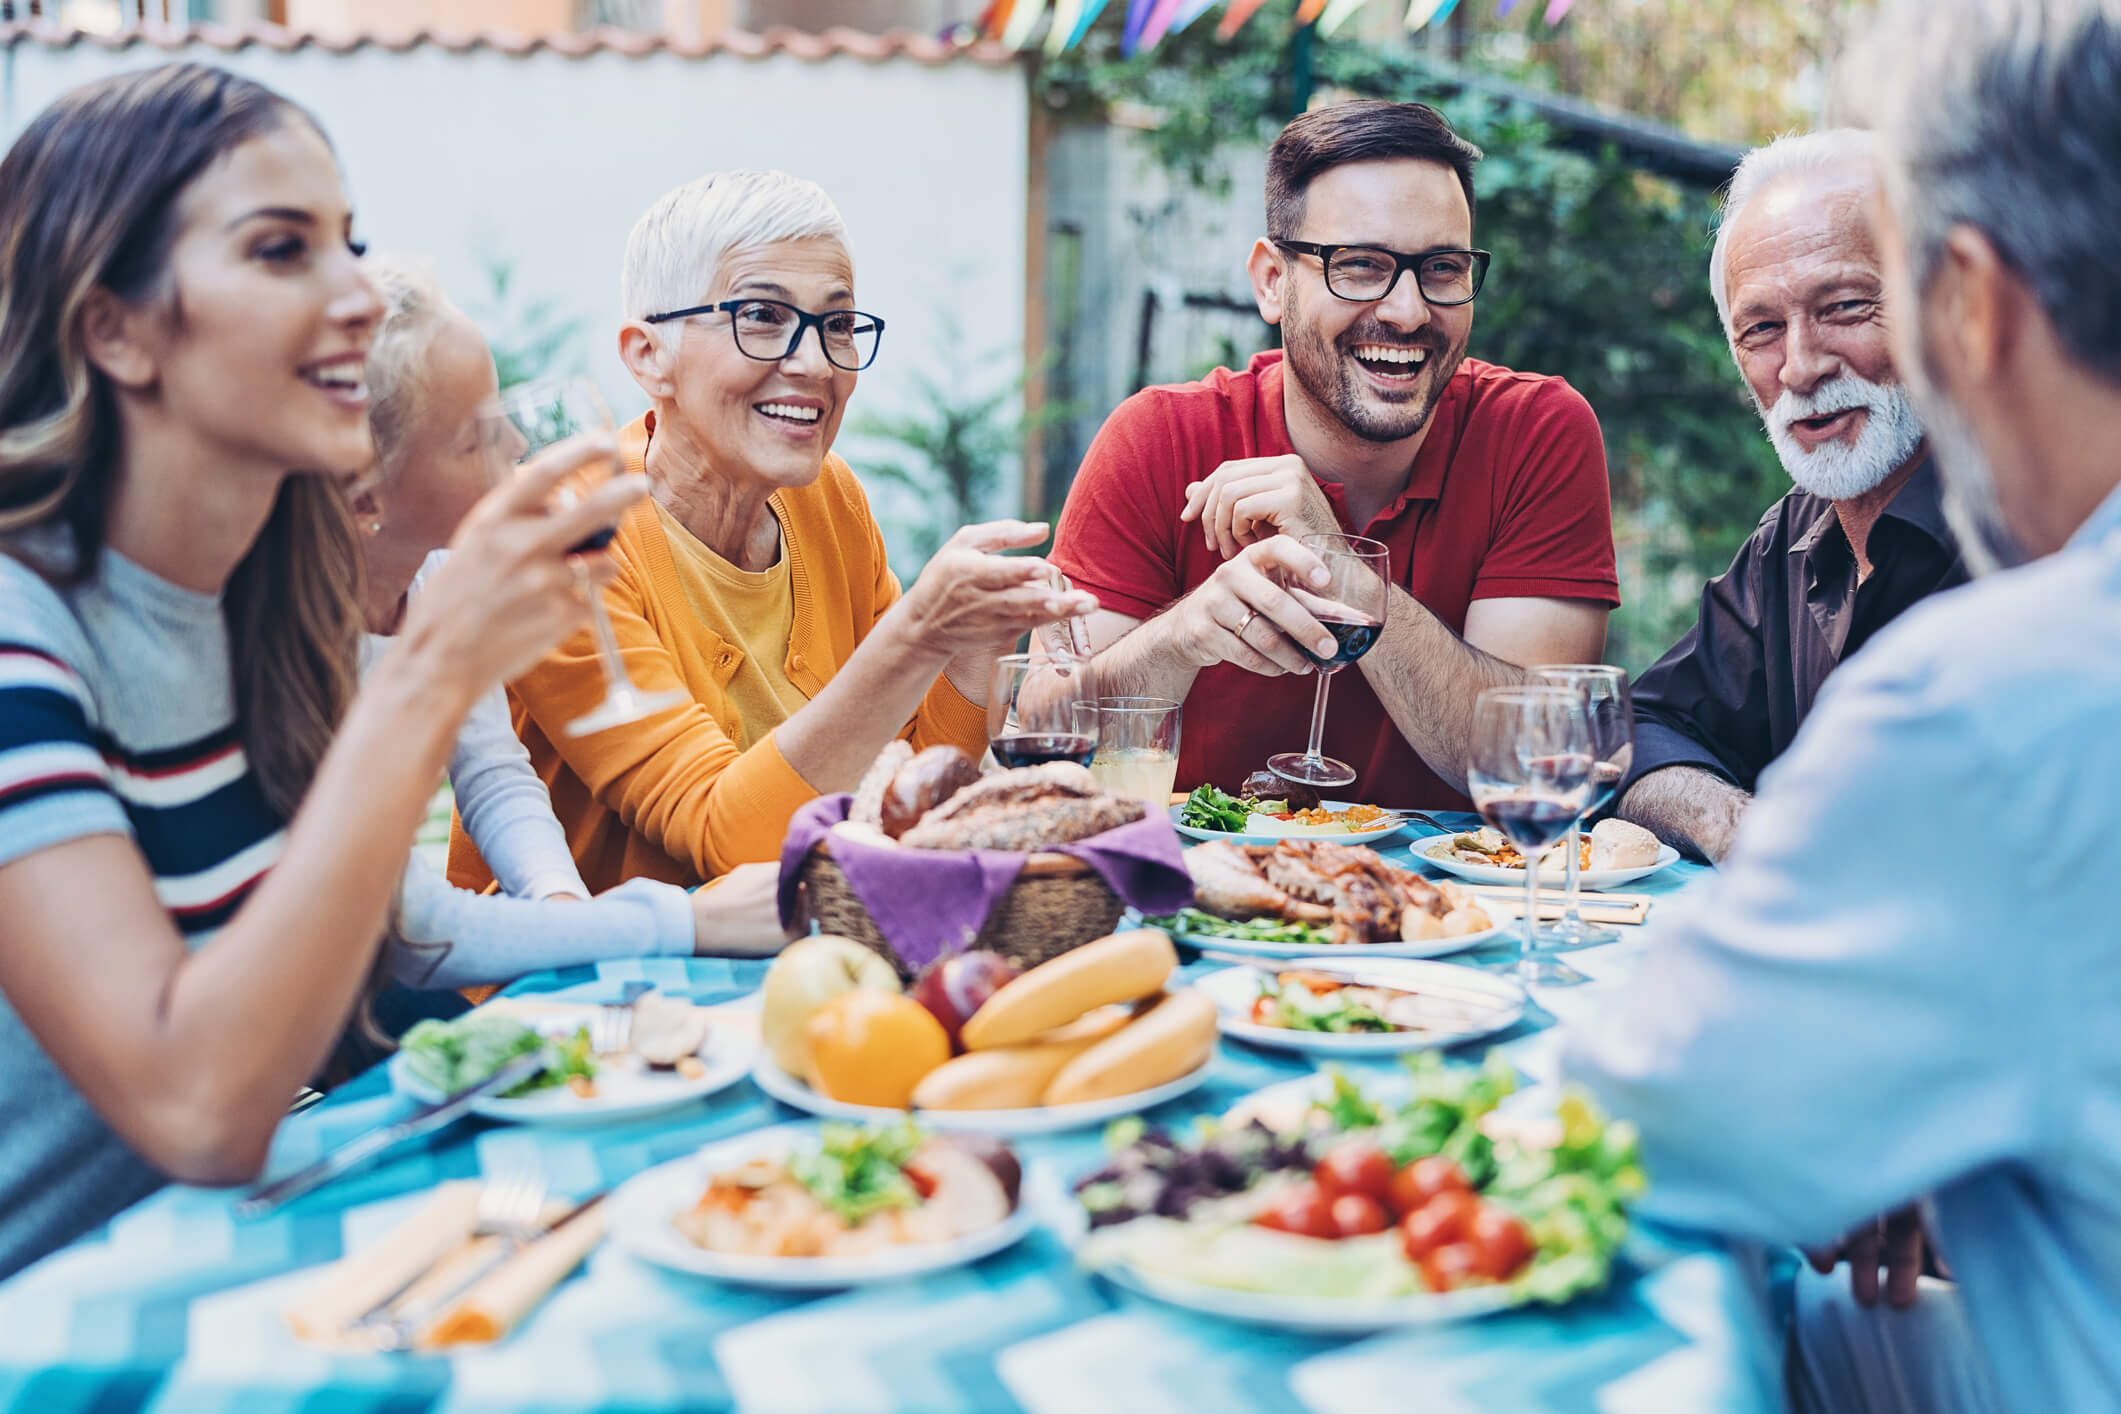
971	599
512	586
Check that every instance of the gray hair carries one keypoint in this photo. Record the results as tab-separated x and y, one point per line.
2005	116
414	308
678	244
1793	154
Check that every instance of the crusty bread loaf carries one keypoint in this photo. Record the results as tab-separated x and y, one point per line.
1024	826
922	784
867	807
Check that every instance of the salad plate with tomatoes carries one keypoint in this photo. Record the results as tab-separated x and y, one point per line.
1332	1205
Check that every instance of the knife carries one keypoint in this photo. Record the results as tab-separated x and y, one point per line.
397	1332
355	1152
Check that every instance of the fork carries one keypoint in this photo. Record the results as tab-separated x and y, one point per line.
508	1209
611	1028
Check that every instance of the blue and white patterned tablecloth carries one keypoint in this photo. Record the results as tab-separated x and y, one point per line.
177	1307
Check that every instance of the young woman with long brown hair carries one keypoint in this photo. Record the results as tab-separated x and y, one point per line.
201	826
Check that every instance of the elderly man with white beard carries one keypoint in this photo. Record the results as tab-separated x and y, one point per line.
1796	278
1900	986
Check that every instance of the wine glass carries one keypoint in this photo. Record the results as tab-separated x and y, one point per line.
529	418
1041	707
1529	776
1064	635
1612	712
1351	606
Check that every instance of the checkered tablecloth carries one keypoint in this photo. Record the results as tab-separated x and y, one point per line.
176	1306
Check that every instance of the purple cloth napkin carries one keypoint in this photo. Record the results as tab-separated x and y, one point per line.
932	903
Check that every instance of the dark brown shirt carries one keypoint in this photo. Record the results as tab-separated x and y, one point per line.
1730	696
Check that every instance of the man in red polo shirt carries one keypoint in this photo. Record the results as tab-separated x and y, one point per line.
1488	486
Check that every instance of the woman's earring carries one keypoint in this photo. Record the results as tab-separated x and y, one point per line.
375	527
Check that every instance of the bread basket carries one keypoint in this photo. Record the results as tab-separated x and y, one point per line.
1057	903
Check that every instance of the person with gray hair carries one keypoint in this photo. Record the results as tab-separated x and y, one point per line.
754	581
1861	537
1900	986
432	385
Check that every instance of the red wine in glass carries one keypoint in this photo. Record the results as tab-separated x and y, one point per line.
1352	637
1038	748
1531	822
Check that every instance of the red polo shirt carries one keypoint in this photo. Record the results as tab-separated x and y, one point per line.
1507	499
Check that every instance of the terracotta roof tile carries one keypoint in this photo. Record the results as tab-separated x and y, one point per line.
228	39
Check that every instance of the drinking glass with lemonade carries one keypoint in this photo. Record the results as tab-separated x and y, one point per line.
1137	748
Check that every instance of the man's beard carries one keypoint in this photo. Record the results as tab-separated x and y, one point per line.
1970	504
1330	374
1839	470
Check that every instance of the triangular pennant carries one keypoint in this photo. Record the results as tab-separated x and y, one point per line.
1130	35
1160	20
1023	18
1420	12
1443	11
1338	13
1073	36
1188	12
1504	8
1234	18
1309	10
1556	9
1065	13
993	18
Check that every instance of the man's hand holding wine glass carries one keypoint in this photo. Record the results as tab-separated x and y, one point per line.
1244	613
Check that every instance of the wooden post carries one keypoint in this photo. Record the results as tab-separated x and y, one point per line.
1038	133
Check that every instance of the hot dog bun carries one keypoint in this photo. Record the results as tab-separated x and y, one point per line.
1172	1039
1121	968
1014	1077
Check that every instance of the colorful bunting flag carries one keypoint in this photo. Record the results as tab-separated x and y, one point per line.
1130	34
1073	36
993	18
1188	12
1556	9
1309	10
1234	18
1504	8
1023	18
1163	17
1338	13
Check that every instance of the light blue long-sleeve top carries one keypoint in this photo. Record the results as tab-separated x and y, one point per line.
1906	979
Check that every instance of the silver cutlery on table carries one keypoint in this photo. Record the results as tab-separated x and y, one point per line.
509	1210
357	1151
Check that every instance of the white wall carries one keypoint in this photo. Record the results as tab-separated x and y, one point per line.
546	161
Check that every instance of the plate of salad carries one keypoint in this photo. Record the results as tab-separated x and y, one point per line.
1325	1205
578	1085
1362	1008
1289	938
1209	814
800	1209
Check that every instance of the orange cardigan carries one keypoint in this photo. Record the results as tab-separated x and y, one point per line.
671	797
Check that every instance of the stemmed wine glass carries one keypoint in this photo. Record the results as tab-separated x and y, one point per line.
1529	777
1042	707
1612	713
529	418
1351	606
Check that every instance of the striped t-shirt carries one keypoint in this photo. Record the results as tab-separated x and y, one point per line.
117	716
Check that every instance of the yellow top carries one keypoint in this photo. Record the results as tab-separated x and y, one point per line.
755	613
677	797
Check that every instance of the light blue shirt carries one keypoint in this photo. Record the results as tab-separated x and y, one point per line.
1906	979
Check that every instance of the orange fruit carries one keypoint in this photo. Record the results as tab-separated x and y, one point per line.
872	1048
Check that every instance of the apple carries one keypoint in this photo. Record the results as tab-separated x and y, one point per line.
809	973
956	987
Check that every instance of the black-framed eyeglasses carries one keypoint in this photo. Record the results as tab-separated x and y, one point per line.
1367	273
769	330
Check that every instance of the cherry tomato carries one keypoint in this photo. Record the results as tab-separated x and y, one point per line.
1442	1220
1355	1166
1358	1215
1413	1186
1500	1241
1450	1266
1265	1010
1302	1210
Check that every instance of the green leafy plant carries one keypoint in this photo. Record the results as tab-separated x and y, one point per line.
531	336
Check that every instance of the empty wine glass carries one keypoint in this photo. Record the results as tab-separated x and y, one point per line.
1351	606
529	418
1529	776
1612	716
1041	707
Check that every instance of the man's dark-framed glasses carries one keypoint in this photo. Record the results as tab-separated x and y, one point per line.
1367	273
769	330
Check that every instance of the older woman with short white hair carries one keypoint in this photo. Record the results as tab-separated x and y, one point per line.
754	579
431	385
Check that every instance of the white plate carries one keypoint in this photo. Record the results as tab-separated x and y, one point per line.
643	1206
1498	1001
1344	952
1315	1315
1241	837
1551	876
626	1088
1045	1119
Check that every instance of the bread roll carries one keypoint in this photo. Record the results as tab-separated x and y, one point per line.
1616	844
868	805
922	784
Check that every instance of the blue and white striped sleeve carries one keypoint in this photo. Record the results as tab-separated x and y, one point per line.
55	785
